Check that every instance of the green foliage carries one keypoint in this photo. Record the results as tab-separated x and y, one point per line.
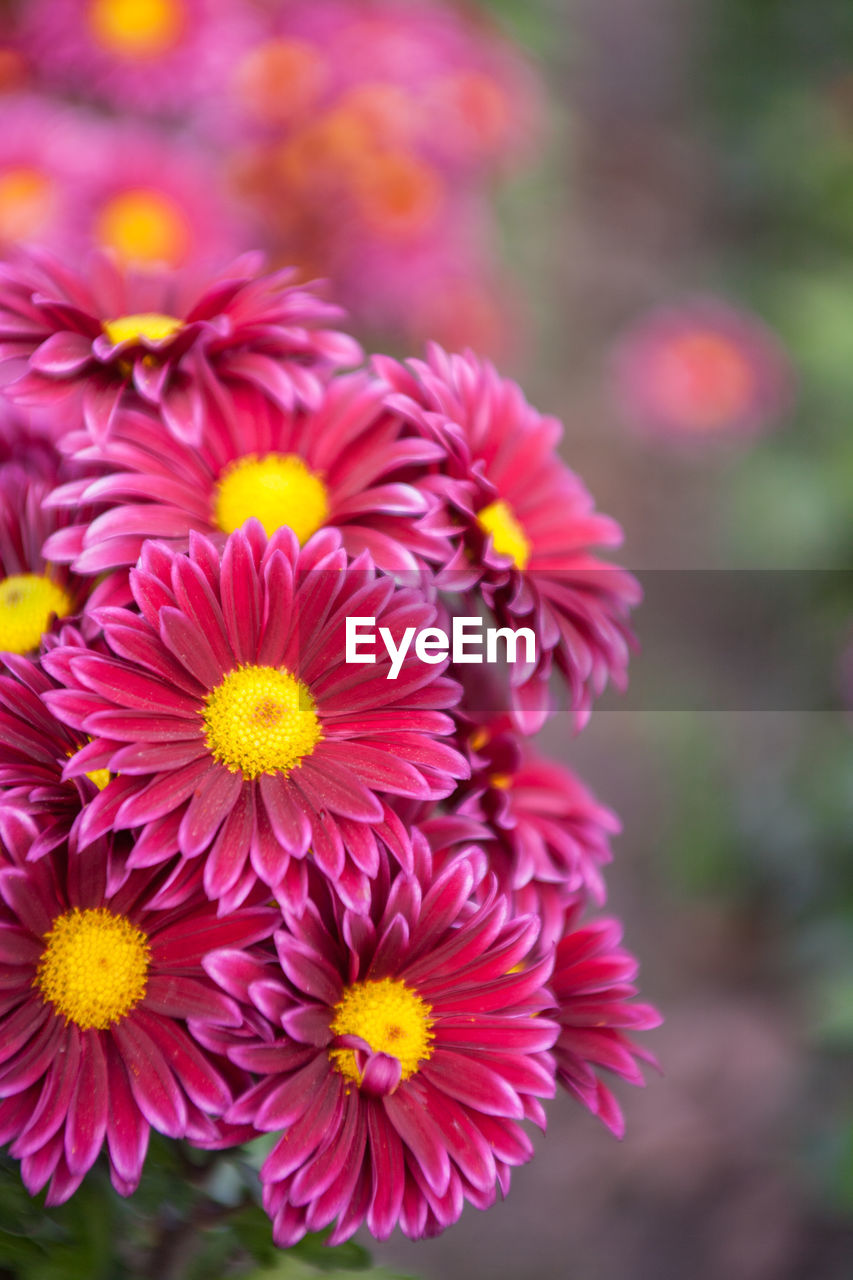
195	1216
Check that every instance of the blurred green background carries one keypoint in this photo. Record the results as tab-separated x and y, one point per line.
704	146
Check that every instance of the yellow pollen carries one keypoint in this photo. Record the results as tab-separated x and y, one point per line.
390	1017
279	489
26	200
136	28
94	968
501	781
100	777
27	601
508	537
147	324
143	228
261	720
479	738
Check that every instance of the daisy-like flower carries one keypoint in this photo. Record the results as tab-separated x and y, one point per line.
34	593
236	726
99	995
152	56
551	836
593	985
155	201
109	339
700	369
344	463
406	1046
527	528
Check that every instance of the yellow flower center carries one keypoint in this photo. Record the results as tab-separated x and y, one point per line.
508	537
136	28
501	781
26	199
144	227
152	325
100	777
261	720
94	968
390	1017
279	489
27	601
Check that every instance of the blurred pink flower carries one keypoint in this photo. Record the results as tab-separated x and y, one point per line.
42	149
702	368
155	200
154	57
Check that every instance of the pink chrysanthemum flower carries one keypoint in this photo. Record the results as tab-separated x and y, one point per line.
34	749
593	984
34	593
700	369
406	1046
99	995
527	527
236	726
152	201
345	463
111	339
552	837
152	56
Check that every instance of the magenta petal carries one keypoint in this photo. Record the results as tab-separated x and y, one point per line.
419	1131
212	801
310	1131
329	785
227	856
186	942
203	1084
313	1179
288	818
62	354
380	1073
87	1116
127	1130
56	1093
465	1078
152	1083
162	795
388	1174
289	1100
100	402
185	997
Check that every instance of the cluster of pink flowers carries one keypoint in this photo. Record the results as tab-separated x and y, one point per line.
248	886
357	139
